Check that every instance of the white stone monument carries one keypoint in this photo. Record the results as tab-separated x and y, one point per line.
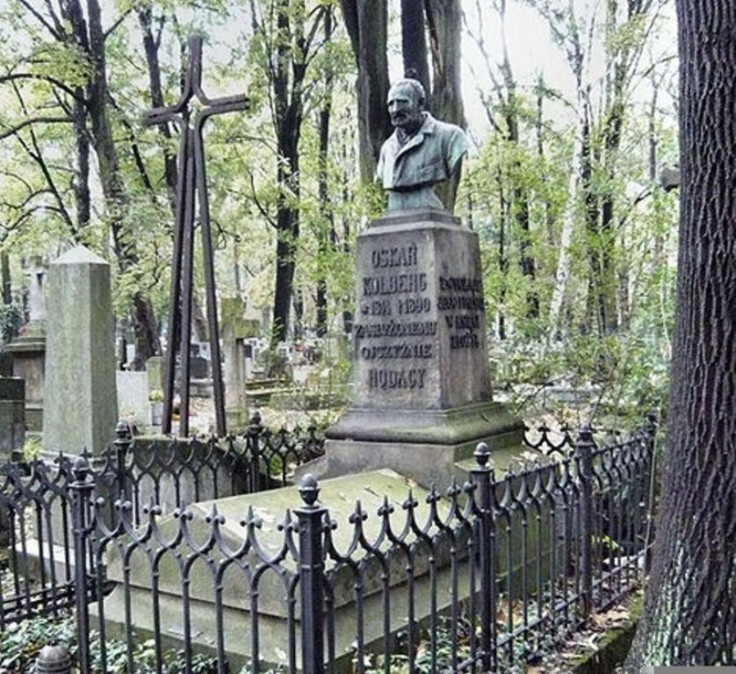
80	400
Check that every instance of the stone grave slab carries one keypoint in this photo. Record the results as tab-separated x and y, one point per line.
340	495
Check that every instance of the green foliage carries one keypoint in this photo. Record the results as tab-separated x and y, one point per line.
11	318
20	644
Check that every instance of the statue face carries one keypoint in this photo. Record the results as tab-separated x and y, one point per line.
404	108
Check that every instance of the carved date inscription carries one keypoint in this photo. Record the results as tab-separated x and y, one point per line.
395	310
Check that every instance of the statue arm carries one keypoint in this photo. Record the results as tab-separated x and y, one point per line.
457	148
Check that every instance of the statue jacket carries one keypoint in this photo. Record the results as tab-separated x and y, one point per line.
429	157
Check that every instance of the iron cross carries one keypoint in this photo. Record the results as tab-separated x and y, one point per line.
192	190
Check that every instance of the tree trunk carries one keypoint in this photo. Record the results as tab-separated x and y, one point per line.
564	258
414	43
326	231
367	25
151	48
5	280
287	85
72	12
113	189
689	609
444	19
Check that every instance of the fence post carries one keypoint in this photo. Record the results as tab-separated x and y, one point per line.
81	493
123	441
584	459
53	659
311	576
253	445
481	476
650	429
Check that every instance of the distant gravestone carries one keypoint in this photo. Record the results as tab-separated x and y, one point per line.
234	331
133	397
12	415
79	393
28	350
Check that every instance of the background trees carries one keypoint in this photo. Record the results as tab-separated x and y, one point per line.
562	183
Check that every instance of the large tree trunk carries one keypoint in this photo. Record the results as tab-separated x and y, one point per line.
326	234
690	614
414	42
444	19
113	188
367	25
287	86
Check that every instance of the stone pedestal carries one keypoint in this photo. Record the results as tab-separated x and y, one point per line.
29	351
12	416
235	330
422	395
79	394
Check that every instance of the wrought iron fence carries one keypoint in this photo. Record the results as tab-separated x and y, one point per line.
478	578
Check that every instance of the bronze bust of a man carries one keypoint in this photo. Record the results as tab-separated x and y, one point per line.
421	153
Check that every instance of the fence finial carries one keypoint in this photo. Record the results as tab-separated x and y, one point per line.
81	470
122	430
309	489
482	454
53	659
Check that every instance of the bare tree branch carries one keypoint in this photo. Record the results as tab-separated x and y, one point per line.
117	23
34	120
10	77
56	30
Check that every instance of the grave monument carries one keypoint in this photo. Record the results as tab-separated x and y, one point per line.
28	349
80	401
422	395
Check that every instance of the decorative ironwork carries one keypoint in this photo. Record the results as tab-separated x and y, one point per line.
481	577
192	186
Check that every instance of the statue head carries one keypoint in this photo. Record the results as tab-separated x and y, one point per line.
405	102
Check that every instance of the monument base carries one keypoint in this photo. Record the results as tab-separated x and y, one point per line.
424	445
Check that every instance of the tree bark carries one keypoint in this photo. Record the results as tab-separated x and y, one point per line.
151	48
287	84
414	43
367	25
690	614
6	288
326	233
444	19
113	188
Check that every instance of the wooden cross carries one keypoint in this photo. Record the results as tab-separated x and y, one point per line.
191	188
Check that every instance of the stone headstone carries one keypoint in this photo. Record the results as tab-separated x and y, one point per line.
29	353
28	349
155	371
233	349
12	415
421	392
36	305
80	401
133	397
199	367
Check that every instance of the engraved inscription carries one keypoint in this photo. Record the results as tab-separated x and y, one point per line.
398	256
403	350
395	329
411	378
395	284
461	294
